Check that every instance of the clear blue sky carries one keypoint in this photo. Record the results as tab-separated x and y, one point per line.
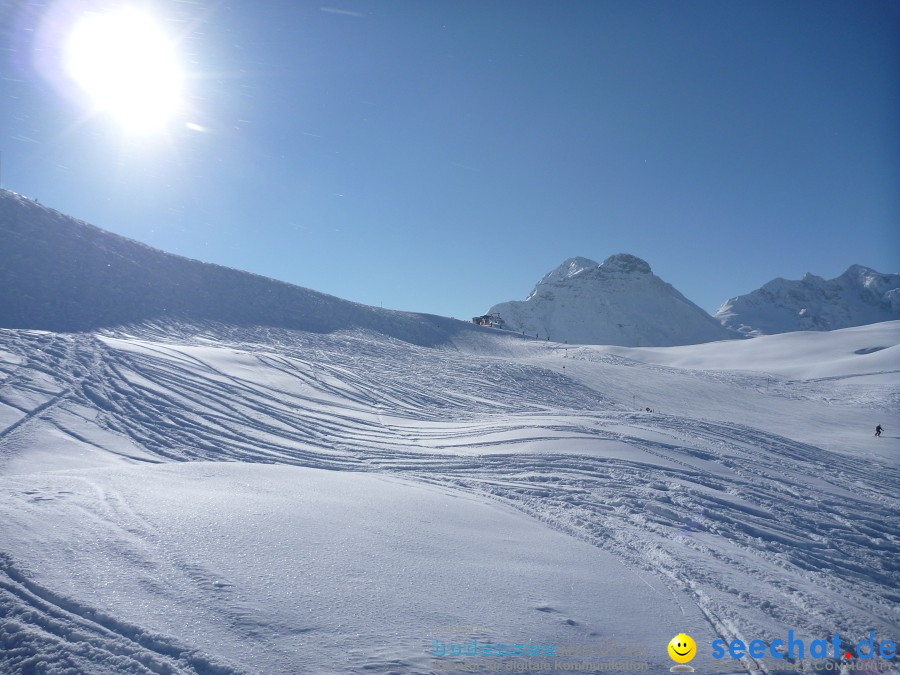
441	156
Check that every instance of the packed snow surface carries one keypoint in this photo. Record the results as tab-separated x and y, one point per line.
197	497
267	568
619	302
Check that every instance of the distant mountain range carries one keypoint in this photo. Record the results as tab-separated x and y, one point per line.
618	302
61	274
621	302
859	296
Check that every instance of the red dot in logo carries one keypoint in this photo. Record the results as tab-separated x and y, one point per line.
847	655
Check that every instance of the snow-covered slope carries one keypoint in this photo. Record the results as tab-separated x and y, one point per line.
58	273
235	475
859	296
235	567
870	352
619	302
504	490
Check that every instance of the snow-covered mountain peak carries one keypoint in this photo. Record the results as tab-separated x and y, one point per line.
870	279
625	263
568	269
857	270
582	269
808	278
617	302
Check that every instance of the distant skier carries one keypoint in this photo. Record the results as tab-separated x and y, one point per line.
878	431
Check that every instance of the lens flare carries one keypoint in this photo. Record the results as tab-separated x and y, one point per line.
127	66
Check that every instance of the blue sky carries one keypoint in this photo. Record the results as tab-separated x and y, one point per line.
441	156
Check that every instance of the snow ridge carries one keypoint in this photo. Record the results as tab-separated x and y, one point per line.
58	273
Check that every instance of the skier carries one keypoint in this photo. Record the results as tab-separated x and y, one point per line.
878	430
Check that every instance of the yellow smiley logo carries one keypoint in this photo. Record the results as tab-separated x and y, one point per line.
682	648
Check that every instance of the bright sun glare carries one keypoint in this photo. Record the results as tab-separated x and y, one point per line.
127	66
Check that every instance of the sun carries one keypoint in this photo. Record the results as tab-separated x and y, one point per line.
127	66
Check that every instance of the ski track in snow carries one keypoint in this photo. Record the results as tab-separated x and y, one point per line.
681	498
44	632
